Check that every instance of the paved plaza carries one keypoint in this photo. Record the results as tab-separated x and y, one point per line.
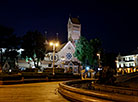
34	92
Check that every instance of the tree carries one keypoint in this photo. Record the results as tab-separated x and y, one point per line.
34	46
109	59
86	51
106	76
96	45
10	42
5	32
83	51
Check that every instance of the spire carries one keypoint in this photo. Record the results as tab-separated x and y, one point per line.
57	36
70	15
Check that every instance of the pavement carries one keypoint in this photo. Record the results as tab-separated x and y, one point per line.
32	92
133	83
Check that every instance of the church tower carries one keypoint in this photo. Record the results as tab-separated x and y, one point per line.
74	29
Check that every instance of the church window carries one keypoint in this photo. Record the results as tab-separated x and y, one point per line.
76	26
55	58
75	31
49	65
69	48
62	58
68	55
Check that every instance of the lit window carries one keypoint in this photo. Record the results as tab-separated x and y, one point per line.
127	65
131	58
133	64
117	65
127	58
122	65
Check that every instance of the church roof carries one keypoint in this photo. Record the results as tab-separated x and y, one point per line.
75	20
60	47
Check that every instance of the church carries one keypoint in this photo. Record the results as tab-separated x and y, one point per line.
63	56
64	52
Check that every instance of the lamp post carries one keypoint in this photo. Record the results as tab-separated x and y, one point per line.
99	59
54	47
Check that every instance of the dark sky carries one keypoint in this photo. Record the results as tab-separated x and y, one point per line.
115	22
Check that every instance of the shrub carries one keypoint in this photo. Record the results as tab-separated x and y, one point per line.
106	76
5	76
56	70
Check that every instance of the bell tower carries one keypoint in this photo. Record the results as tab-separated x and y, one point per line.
74	29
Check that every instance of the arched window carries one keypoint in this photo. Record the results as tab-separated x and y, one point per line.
55	57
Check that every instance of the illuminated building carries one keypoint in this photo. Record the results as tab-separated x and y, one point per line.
127	64
64	52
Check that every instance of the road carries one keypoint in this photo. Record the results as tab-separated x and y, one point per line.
34	92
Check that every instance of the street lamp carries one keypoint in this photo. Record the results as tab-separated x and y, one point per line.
54	47
99	59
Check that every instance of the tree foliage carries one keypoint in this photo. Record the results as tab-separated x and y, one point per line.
34	46
11	43
96	45
106	76
82	50
86	51
109	60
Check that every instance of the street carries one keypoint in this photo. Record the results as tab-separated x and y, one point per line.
32	92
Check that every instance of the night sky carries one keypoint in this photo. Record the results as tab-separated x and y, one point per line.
115	22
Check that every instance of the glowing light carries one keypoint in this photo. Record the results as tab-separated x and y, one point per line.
87	68
10	70
56	44
51	44
120	69
99	68
98	54
128	70
134	69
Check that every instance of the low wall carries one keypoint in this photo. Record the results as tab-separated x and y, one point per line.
116	89
32	80
6	82
82	95
125	77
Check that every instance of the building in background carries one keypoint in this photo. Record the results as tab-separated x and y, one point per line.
127	63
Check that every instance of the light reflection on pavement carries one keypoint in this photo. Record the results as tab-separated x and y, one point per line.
34	92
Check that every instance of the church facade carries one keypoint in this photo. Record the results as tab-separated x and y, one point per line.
64	53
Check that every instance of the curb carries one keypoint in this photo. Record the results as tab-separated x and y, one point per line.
69	91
